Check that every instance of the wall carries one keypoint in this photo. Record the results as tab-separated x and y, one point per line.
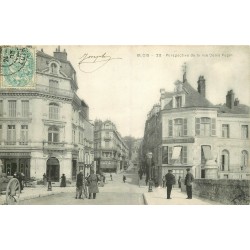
233	192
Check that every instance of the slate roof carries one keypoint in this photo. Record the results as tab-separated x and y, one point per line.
192	97
239	109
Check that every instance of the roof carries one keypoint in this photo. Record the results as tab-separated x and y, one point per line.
193	97
239	109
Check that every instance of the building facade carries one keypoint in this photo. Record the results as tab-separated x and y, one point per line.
212	140
111	152
43	130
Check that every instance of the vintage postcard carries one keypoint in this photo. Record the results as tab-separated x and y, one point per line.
124	125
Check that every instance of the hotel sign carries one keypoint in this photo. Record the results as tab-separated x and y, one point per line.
14	154
179	140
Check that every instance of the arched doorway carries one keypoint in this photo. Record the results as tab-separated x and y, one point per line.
53	169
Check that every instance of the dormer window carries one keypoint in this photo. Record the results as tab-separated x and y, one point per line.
54	67
178	101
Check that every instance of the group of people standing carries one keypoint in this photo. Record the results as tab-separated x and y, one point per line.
170	181
88	185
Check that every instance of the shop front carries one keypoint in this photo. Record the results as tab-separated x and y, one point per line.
14	162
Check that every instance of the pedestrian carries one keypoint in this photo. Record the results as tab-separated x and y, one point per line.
124	178
44	180
93	184
104	179
188	182
19	176
63	181
146	180
111	177
163	181
179	182
170	181
79	185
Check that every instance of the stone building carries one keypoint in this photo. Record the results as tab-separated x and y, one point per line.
212	140
111	152
43	130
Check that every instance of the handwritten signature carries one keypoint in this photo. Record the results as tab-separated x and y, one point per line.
89	64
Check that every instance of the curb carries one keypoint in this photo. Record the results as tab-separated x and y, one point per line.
34	196
144	199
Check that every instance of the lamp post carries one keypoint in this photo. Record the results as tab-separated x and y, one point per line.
149	155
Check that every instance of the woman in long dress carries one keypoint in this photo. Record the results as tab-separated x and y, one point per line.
63	181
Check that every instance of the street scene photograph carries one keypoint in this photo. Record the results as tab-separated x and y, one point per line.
124	125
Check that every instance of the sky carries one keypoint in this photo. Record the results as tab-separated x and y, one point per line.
122	83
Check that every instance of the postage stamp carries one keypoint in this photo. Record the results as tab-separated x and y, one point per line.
17	67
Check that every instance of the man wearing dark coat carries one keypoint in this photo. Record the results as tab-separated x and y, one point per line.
93	184
170	181
188	182
79	184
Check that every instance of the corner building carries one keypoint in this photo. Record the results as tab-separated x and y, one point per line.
111	152
42	130
212	140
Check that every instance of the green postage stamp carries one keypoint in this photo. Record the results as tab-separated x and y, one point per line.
17	67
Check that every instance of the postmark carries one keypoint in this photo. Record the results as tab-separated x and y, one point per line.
17	67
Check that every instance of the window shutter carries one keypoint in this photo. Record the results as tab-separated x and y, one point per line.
213	132
185	127
170	128
197	126
184	154
170	151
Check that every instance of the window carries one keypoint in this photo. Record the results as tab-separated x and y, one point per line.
205	126
164	155
225	130
244	159
54	111
179	126
244	131
225	160
11	135
178	101
74	136
53	86
24	135
1	108
206	154
107	144
54	68
25	108
53	134
1	133
12	108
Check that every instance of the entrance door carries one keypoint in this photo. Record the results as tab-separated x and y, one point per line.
53	169
74	169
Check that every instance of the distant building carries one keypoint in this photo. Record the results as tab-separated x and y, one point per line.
46	129
188	131
111	152
135	152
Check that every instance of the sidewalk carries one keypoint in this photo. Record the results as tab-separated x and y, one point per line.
159	197
39	191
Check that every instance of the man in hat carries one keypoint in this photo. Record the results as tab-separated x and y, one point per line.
79	184
188	182
170	181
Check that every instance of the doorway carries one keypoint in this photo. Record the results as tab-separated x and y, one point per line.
53	169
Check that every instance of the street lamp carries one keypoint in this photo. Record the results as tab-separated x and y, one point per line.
149	155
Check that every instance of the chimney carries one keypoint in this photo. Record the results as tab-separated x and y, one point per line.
236	102
60	55
202	86
230	99
162	91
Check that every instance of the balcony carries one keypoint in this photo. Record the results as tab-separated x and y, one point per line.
53	145
107	138
178	140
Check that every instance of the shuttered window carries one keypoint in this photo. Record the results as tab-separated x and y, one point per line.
170	128
197	126
1	108
213	131
11	135
25	108
24	135
185	127
164	155
184	155
12	108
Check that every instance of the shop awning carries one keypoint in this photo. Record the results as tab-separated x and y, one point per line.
207	152
176	153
